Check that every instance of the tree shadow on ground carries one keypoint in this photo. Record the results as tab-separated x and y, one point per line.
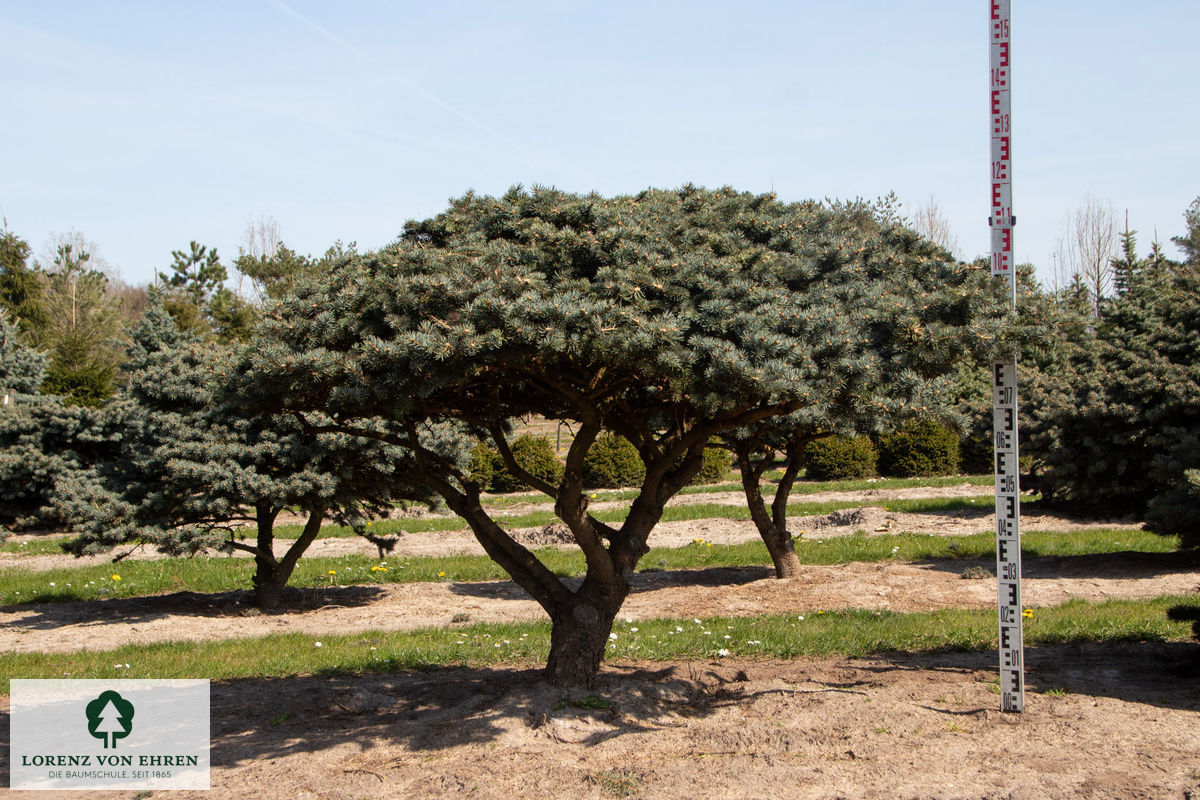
424	712
136	610
642	581
1119	565
438	709
650	580
1162	674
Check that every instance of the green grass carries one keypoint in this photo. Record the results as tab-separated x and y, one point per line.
800	488
536	519
846	633
679	513
51	545
209	574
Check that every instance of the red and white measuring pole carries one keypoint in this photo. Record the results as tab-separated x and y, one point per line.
1004	372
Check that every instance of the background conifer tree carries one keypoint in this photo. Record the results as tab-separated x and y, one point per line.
195	294
45	444
916	313
21	292
1116	422
83	331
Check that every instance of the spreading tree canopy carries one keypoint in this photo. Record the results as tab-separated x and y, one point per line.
919	313
668	317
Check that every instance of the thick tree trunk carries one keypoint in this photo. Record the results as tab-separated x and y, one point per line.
268	590
783	551
581	619
271	575
579	634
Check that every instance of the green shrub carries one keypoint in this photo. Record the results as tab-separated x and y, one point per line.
612	463
717	463
836	458
1177	511
920	449
536	456
977	445
485	460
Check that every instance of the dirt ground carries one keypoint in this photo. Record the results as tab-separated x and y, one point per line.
1115	721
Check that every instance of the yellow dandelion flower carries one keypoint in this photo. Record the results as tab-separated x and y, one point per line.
116	577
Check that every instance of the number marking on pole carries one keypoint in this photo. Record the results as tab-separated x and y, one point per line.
1004	373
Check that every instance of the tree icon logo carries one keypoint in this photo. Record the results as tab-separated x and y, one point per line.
110	717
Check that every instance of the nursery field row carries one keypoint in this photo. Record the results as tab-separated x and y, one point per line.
209	574
850	633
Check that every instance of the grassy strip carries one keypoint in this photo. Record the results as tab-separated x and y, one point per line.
51	544
208	574
849	633
800	488
682	513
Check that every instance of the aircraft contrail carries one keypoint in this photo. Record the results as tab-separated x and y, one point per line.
367	57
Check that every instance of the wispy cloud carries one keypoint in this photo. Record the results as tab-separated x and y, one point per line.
392	74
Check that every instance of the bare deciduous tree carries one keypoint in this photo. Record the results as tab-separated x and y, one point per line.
85	249
261	242
929	222
1088	245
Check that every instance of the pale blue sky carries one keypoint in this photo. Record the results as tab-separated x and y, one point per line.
143	125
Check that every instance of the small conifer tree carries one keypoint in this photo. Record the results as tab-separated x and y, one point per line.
45	444
836	458
535	455
192	471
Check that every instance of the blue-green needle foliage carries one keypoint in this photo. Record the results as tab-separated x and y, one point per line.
45	444
895	315
1116	415
667	317
194	473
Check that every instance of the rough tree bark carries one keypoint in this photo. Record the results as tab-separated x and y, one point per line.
772	527
271	574
581	620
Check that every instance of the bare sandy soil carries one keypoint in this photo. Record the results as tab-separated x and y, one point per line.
1116	721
